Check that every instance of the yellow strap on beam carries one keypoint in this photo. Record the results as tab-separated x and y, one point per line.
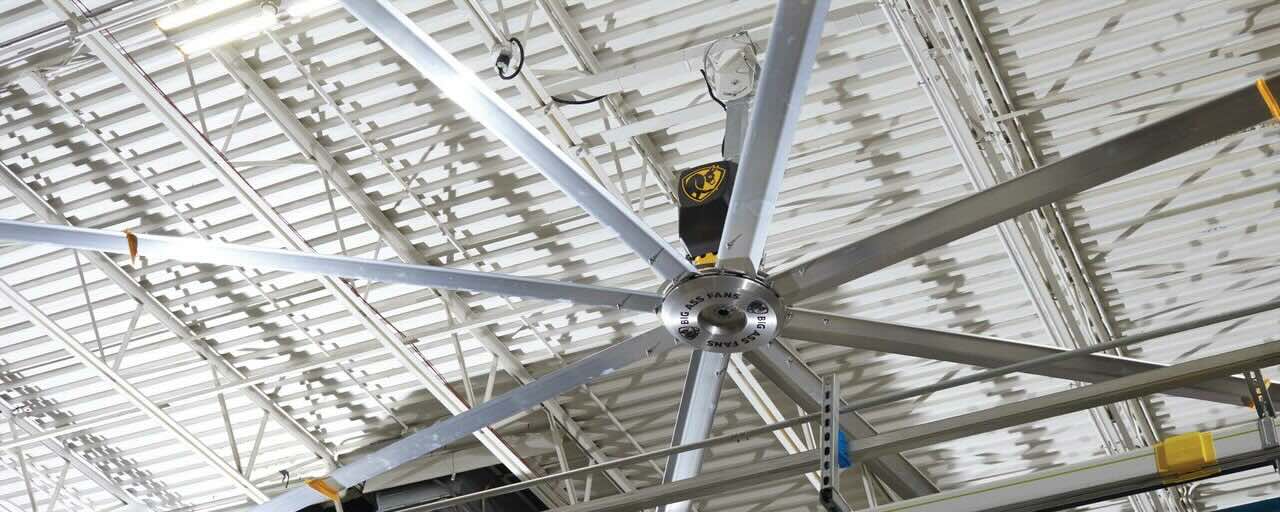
1268	98
323	487
1186	457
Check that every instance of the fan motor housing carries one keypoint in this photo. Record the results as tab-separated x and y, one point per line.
722	311
704	204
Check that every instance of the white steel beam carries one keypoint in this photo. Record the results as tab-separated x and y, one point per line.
73	458
796	380
956	110
634	134
14	184
462	86
988	352
555	120
1223	116
636	73
984	167
139	175
33	476
128	391
187	134
1235	449
427	440
257	89
755	394
1067	294
563	26
948	429
121	416
794	40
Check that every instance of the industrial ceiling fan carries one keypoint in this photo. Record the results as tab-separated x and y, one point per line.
732	307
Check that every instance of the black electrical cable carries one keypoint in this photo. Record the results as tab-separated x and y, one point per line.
587	101
519	65
710	92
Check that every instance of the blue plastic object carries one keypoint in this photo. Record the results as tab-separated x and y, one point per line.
1270	505
842	444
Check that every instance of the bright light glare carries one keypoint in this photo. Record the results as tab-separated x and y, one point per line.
304	8
227	33
196	12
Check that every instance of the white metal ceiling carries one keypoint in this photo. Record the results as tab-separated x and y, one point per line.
1187	239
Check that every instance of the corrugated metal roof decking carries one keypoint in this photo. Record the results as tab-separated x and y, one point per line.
869	152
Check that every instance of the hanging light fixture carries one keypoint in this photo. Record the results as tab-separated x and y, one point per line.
212	23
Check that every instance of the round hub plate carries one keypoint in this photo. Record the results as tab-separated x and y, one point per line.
722	312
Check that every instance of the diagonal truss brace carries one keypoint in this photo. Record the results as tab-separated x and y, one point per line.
14	184
429	439
949	429
187	134
989	352
789	372
128	391
463	87
275	109
74	459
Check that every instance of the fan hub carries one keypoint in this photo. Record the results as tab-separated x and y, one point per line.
722	312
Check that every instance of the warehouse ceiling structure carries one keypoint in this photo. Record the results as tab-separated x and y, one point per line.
427	254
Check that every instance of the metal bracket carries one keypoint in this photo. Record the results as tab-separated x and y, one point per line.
737	115
733	75
1266	412
829	440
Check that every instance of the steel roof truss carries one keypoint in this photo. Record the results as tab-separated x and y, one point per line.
948	429
1128	153
990	352
504	406
404	248
459	84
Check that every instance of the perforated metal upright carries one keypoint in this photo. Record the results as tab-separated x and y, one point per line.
829	472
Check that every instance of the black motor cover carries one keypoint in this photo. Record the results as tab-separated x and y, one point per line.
704	204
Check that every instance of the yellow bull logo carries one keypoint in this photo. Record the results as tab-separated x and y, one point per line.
700	184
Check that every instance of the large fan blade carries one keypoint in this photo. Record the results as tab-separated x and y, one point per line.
988	352
463	87
509	404
702	386
1131	152
200	251
793	42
